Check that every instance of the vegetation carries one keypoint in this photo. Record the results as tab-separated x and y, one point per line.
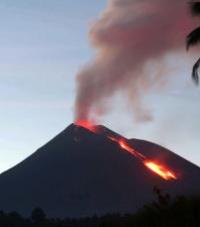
194	38
164	212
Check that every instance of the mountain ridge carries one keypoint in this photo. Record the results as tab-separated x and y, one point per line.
80	173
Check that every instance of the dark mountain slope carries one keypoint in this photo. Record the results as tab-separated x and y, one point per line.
79	173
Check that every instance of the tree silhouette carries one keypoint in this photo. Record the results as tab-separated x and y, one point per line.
194	38
165	211
38	215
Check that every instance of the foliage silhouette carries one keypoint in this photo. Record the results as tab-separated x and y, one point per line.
38	215
164	211
194	38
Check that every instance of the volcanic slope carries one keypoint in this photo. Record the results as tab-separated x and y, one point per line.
80	173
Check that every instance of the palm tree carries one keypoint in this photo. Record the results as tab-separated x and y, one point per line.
194	38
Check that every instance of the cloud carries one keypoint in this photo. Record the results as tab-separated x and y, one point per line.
128	35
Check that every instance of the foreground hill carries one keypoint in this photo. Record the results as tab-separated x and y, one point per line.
79	173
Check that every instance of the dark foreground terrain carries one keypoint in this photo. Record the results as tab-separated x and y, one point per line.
165	212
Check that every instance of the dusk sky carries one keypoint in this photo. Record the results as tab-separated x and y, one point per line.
43	46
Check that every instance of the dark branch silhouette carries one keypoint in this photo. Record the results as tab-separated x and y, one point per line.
195	75
195	8
193	39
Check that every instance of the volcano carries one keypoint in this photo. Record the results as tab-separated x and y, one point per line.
81	173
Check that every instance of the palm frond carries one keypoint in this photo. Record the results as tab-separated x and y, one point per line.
195	8
193	38
195	74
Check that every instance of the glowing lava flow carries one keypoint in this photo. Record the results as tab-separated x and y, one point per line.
160	170
125	146
155	167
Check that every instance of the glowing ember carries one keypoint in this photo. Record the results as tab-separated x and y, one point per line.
87	125
160	170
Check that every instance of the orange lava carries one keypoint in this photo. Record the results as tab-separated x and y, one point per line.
125	146
160	170
86	124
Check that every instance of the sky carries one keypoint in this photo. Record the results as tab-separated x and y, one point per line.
43	45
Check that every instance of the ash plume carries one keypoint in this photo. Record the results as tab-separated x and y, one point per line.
128	35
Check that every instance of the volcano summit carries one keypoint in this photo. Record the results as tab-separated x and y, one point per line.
82	173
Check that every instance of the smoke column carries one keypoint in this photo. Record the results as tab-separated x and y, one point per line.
128	35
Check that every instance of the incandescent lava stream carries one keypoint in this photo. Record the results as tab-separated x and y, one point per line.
157	168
